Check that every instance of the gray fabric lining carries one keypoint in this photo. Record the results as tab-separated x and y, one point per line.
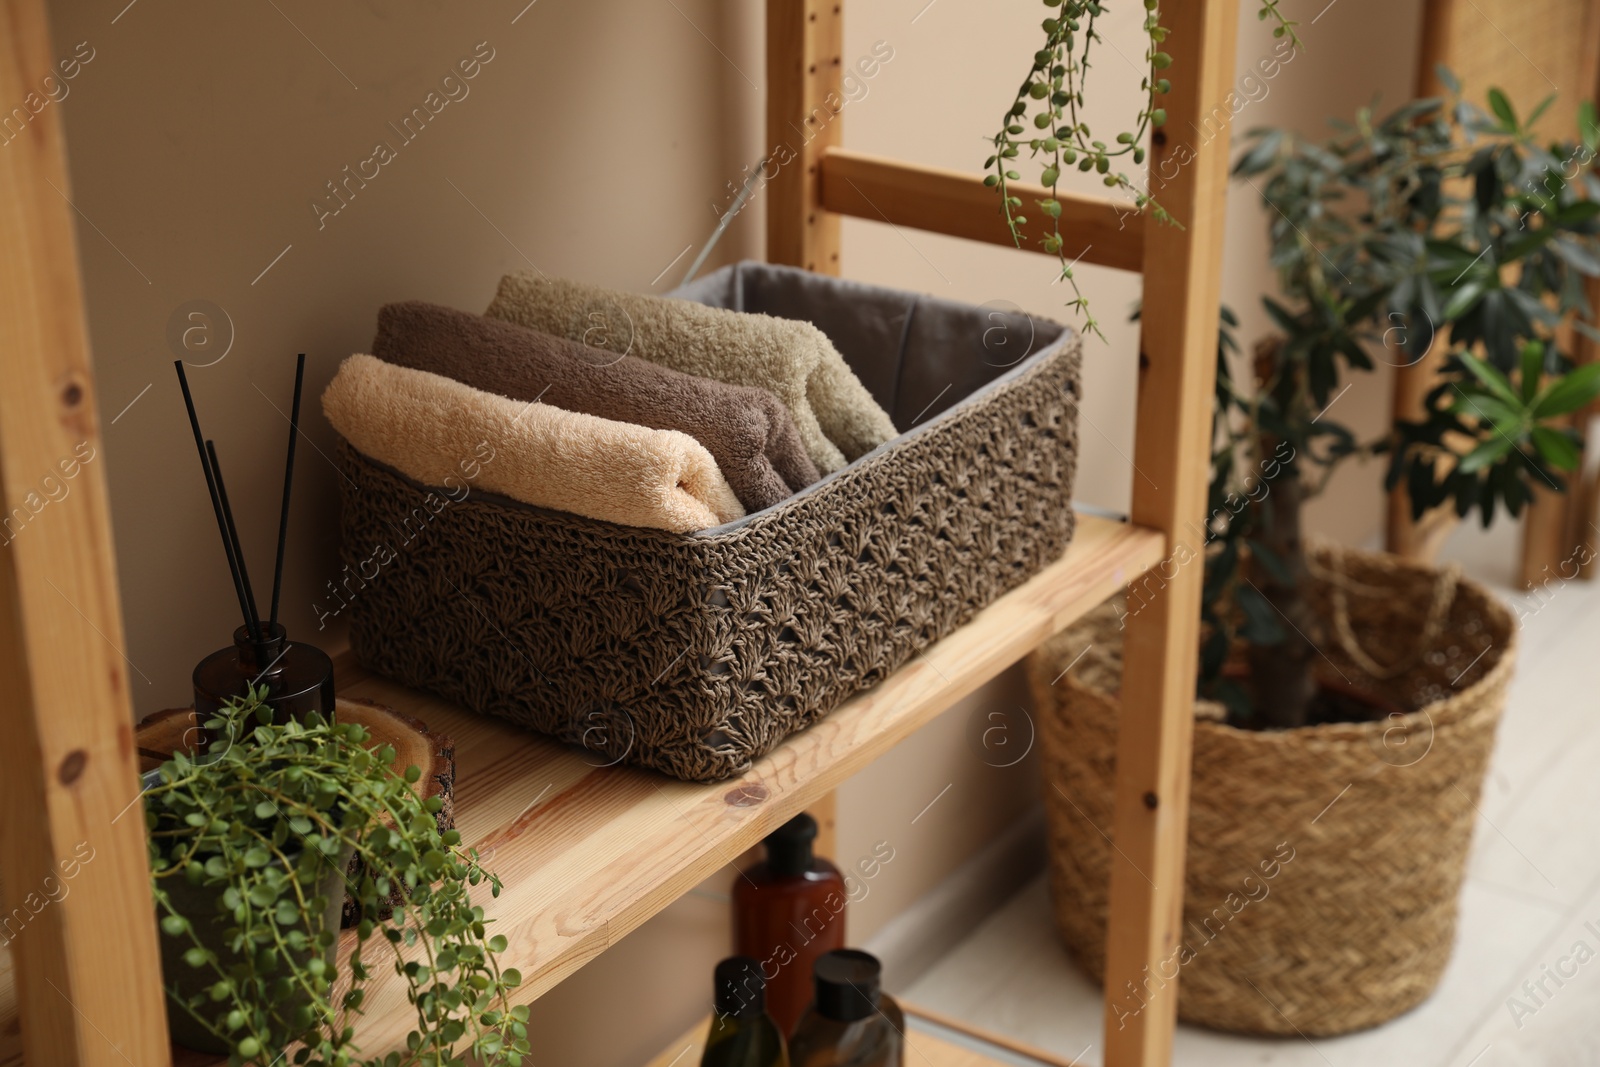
920	356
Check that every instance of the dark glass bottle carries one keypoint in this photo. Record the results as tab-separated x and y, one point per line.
742	1033
787	911
852	1022
298	676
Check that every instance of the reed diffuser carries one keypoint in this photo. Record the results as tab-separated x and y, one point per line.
298	677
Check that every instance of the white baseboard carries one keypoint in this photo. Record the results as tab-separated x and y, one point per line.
913	941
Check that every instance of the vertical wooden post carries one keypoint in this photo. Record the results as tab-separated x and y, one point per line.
805	39
805	44
78	913
1172	450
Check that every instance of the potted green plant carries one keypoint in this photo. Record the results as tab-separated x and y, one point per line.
249	847
1349	700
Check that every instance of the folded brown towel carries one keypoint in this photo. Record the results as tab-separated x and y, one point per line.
837	418
428	426
747	431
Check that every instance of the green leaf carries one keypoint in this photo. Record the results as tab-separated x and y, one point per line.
1578	212
1485	454
1502	109
1487	408
1579	253
1538	109
1491	378
1589	126
1532	370
1557	448
1568	393
1462	299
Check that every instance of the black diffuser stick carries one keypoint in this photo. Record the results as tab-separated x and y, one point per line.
232	535
216	503
288	482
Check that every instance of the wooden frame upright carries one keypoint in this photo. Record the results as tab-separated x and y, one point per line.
1177	367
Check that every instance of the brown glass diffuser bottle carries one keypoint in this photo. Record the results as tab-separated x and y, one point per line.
298	677
852	1022
787	911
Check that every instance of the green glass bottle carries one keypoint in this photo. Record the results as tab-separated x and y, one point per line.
852	1022
742	1033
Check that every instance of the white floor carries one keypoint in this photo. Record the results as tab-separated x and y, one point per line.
1533	885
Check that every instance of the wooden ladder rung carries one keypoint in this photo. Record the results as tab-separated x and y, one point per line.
1099	230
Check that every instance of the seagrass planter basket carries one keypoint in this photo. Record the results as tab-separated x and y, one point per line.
1324	863
695	654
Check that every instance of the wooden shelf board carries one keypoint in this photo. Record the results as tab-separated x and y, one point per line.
588	853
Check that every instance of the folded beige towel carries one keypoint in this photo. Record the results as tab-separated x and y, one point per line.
837	418
747	431
428	426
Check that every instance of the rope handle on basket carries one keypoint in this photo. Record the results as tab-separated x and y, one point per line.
1444	595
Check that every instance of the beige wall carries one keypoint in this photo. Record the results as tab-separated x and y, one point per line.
201	134
593	144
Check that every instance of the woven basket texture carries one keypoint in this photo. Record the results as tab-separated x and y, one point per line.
1324	863
695	654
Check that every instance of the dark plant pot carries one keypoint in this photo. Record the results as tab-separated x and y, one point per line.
197	902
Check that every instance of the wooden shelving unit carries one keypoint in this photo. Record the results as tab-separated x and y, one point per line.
587	853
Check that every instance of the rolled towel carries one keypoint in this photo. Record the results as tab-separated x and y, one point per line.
426	426
747	431
837	418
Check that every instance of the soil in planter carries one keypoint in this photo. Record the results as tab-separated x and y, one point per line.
1335	702
1338	704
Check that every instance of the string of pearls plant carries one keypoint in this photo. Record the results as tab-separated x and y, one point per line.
246	838
1061	138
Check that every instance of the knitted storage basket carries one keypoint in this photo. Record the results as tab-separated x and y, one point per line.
696	653
1324	863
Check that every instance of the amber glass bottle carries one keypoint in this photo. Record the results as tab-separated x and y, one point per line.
787	911
852	1022
742	1033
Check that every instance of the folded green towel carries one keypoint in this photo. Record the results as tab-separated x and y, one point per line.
747	431
837	418
432	429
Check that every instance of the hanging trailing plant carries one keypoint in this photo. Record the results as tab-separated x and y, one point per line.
248	849
1047	118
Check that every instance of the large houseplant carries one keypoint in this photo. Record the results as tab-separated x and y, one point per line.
1435	226
1350	699
249	848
